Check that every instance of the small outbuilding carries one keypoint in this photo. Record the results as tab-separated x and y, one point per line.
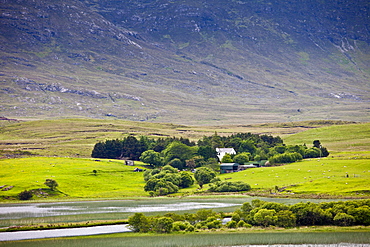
229	167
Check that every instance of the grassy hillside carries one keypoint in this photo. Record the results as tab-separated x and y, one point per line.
344	138
74	176
315	176
76	137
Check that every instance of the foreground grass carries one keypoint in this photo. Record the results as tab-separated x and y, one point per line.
322	235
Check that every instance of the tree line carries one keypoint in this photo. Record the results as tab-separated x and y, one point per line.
259	213
182	153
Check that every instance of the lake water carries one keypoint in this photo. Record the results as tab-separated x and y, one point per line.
19	211
34	210
9	212
70	232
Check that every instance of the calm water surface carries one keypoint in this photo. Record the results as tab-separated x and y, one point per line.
56	233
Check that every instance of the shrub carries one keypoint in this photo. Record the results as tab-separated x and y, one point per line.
182	226
25	195
286	218
163	225
343	219
139	223
231	224
242	223
226	186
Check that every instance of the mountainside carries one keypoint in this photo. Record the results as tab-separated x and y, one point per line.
194	62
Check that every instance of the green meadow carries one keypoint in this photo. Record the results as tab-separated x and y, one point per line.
75	177
346	172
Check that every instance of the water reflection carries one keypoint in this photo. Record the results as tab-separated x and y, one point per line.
56	233
57	209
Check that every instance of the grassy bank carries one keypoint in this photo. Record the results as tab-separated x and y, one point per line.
319	235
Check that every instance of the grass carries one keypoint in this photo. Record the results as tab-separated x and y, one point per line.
76	137
227	238
337	138
315	176
348	143
74	176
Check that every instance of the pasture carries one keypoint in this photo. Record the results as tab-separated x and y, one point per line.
76	137
345	172
313	176
76	179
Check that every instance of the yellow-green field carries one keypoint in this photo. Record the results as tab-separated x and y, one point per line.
76	137
349	145
315	176
74	176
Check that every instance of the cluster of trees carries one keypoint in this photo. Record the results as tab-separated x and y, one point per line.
182	153
304	214
166	181
292	153
260	213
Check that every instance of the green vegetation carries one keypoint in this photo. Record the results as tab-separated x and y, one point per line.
166	181
319	235
347	168
260	213
75	177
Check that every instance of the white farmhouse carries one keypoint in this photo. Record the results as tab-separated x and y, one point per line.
222	151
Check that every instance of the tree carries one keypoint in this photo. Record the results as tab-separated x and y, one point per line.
265	217
285	218
241	158
186	180
343	219
163	225
227	159
204	175
51	183
207	152
139	223
180	151
316	144
132	148
151	157
191	163
176	163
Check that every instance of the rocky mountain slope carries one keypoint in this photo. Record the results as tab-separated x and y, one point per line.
196	62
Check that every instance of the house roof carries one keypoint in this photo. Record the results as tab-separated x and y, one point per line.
225	150
228	165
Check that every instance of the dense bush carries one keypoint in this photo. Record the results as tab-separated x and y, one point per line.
229	186
285	158
204	175
25	195
166	181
